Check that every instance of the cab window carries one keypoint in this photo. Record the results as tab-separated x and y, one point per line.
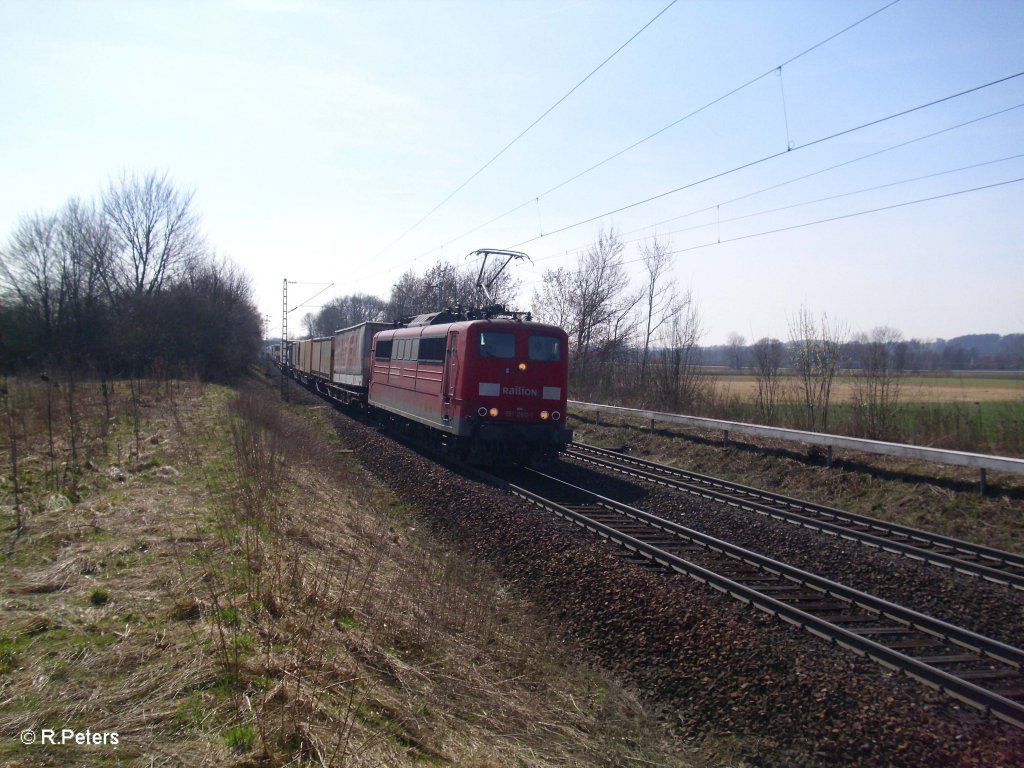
545	349
431	349
500	345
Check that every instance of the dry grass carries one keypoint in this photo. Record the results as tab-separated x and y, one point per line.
913	389
222	585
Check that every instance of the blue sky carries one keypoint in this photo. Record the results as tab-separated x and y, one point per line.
316	133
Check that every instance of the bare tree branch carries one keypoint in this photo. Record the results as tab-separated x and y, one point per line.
155	230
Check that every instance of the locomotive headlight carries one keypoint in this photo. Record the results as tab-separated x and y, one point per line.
481	411
544	415
493	412
522	366
556	415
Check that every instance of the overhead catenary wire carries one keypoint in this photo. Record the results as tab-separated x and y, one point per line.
775	69
799	178
841	195
820	171
717	223
527	129
839	217
303	303
772	156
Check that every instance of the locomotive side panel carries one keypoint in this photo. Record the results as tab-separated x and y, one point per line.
406	374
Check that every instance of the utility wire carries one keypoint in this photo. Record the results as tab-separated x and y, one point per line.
841	195
299	306
528	128
820	171
796	179
772	156
673	124
850	215
826	220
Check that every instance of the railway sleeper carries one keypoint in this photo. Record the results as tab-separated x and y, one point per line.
987	674
952	658
811	603
850	618
918	644
1009	693
637	559
888	631
768	584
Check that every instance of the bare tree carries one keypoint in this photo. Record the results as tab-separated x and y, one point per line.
816	354
31	270
681	378
441	287
554	303
155	230
407	296
308	323
737	350
64	277
345	311
446	285
503	284
658	296
588	301
877	386
220	327
614	350
767	354
86	247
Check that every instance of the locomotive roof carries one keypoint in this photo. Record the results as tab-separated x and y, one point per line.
435	318
460	324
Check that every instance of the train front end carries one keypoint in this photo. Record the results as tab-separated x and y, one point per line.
514	386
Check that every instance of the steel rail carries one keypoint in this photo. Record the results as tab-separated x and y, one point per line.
963	690
947	682
999	566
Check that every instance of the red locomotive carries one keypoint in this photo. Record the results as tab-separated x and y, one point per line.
491	389
486	385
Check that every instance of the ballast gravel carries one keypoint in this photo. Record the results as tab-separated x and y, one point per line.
711	665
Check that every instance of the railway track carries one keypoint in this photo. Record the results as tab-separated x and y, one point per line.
983	673
963	557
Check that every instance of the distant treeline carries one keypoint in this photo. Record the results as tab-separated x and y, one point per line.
121	285
976	352
443	285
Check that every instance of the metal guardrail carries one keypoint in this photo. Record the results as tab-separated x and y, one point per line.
979	461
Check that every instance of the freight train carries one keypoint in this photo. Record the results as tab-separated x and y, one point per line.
486	386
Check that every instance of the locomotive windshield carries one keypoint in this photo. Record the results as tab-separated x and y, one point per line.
500	345
545	349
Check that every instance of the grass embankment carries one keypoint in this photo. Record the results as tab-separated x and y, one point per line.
209	576
920	494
